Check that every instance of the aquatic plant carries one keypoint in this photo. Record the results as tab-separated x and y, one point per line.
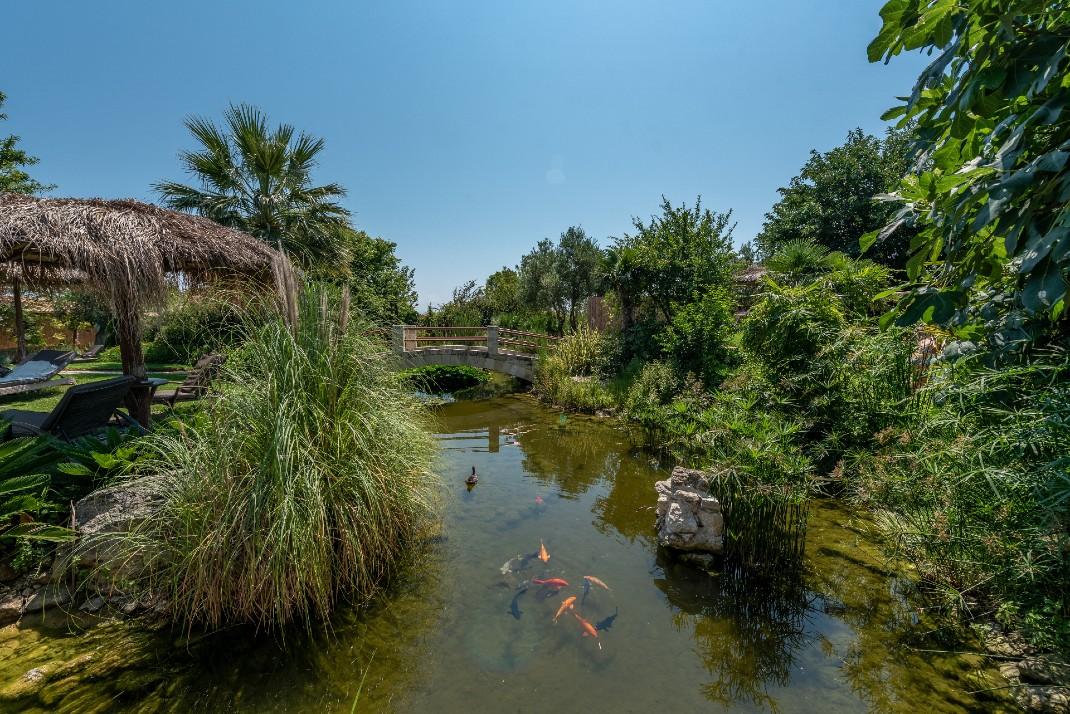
571	374
308	481
974	490
440	378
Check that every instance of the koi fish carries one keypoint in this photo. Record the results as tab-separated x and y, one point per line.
606	623
544	556
586	590
588	628
518	563
514	606
550	582
538	500
595	581
566	604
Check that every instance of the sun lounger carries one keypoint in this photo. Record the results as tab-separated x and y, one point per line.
36	372
196	383
90	354
83	409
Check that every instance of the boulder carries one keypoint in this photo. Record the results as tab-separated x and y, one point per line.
51	596
688	516
107	513
10	606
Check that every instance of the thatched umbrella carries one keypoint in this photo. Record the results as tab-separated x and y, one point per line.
123	249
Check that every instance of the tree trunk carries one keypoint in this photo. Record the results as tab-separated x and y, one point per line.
20	326
128	332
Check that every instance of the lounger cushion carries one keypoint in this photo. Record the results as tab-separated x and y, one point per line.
30	371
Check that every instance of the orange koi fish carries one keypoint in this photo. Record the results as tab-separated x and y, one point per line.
566	604
588	628
544	556
595	581
550	582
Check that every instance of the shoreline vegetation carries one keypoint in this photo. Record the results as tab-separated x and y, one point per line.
895	337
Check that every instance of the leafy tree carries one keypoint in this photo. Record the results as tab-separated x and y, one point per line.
580	264
541	284
467	307
678	255
621	275
502	291
831	202
993	241
13	160
260	181
381	285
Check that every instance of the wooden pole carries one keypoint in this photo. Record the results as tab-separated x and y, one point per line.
20	326
128	328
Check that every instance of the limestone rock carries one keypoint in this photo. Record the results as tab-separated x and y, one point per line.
688	516
114	510
10	607
1043	698
51	596
1038	670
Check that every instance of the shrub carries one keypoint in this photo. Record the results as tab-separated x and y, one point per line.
308	480
697	338
788	332
572	374
193	329
441	378
975	492
651	390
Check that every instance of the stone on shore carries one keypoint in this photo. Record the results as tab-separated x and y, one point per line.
688	516
104	515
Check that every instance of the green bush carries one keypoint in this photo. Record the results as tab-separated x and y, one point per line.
441	378
187	332
572	375
789	332
652	389
307	480
698	337
975	491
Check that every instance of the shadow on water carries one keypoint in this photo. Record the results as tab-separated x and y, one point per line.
836	633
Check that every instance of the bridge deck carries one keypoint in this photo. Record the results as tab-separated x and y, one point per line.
497	349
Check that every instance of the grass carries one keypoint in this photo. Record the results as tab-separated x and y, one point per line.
307	481
116	366
45	400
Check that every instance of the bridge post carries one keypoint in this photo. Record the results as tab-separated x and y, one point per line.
492	339
397	338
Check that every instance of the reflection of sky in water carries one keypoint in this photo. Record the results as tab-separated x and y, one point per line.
833	639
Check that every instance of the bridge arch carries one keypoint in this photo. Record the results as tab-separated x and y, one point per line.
493	348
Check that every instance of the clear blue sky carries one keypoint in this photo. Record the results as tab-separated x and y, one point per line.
464	131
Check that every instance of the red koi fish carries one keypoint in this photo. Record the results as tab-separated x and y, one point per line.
544	555
550	582
566	604
538	500
595	581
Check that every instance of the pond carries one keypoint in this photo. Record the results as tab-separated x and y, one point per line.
457	635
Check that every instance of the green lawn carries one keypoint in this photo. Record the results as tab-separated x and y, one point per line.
44	400
118	366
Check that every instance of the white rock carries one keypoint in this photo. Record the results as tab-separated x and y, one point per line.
688	516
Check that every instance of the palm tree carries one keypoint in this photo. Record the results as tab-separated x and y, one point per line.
259	181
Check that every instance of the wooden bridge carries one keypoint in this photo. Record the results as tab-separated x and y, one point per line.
497	349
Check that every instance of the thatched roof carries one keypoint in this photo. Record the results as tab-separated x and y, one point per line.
124	246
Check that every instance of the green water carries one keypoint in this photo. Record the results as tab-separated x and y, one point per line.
839	636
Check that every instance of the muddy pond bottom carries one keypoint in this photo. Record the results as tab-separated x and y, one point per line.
471	628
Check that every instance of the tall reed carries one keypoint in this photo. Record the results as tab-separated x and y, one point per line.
308	481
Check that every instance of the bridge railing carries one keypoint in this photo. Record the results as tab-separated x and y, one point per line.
408	338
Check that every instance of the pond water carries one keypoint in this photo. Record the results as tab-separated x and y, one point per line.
456	636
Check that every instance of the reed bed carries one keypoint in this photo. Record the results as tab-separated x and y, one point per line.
307	482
